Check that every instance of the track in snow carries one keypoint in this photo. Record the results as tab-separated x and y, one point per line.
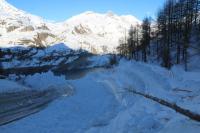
14	106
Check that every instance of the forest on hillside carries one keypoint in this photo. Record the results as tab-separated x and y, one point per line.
169	38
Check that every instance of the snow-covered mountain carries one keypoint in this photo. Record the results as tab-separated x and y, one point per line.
19	27
94	32
97	32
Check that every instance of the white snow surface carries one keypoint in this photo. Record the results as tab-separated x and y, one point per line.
101	104
10	86
97	33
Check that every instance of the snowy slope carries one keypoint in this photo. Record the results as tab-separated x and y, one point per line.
97	33
100	103
19	27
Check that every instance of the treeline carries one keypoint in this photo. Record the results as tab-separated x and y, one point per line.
135	45
167	40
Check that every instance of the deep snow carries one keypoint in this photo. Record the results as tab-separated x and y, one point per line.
101	104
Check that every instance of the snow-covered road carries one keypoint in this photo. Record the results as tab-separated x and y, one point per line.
92	105
100	103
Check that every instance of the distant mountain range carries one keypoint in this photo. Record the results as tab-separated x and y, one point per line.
94	32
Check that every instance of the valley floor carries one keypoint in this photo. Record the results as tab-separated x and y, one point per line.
100	102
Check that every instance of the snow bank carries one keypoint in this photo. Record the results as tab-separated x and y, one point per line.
102	104
45	80
10	86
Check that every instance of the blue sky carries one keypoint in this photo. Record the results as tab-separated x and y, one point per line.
59	10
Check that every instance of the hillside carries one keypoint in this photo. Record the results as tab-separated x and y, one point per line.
94	32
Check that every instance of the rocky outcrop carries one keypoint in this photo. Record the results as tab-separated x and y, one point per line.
3	22
41	38
27	29
26	41
80	29
11	28
43	27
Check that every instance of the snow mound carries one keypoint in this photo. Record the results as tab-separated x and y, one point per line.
10	86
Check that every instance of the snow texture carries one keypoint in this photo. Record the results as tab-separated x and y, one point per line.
101	104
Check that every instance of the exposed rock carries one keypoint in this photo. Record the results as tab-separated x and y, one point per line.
26	41
41	37
11	28
28	28
94	50
2	22
105	49
43	27
82	29
101	34
20	22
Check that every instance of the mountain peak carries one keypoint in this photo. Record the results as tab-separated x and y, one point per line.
4	3
95	18
110	13
91	31
89	12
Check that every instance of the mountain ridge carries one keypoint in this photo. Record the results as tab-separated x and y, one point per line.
94	32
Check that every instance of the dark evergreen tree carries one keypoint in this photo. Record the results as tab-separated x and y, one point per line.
146	37
177	22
